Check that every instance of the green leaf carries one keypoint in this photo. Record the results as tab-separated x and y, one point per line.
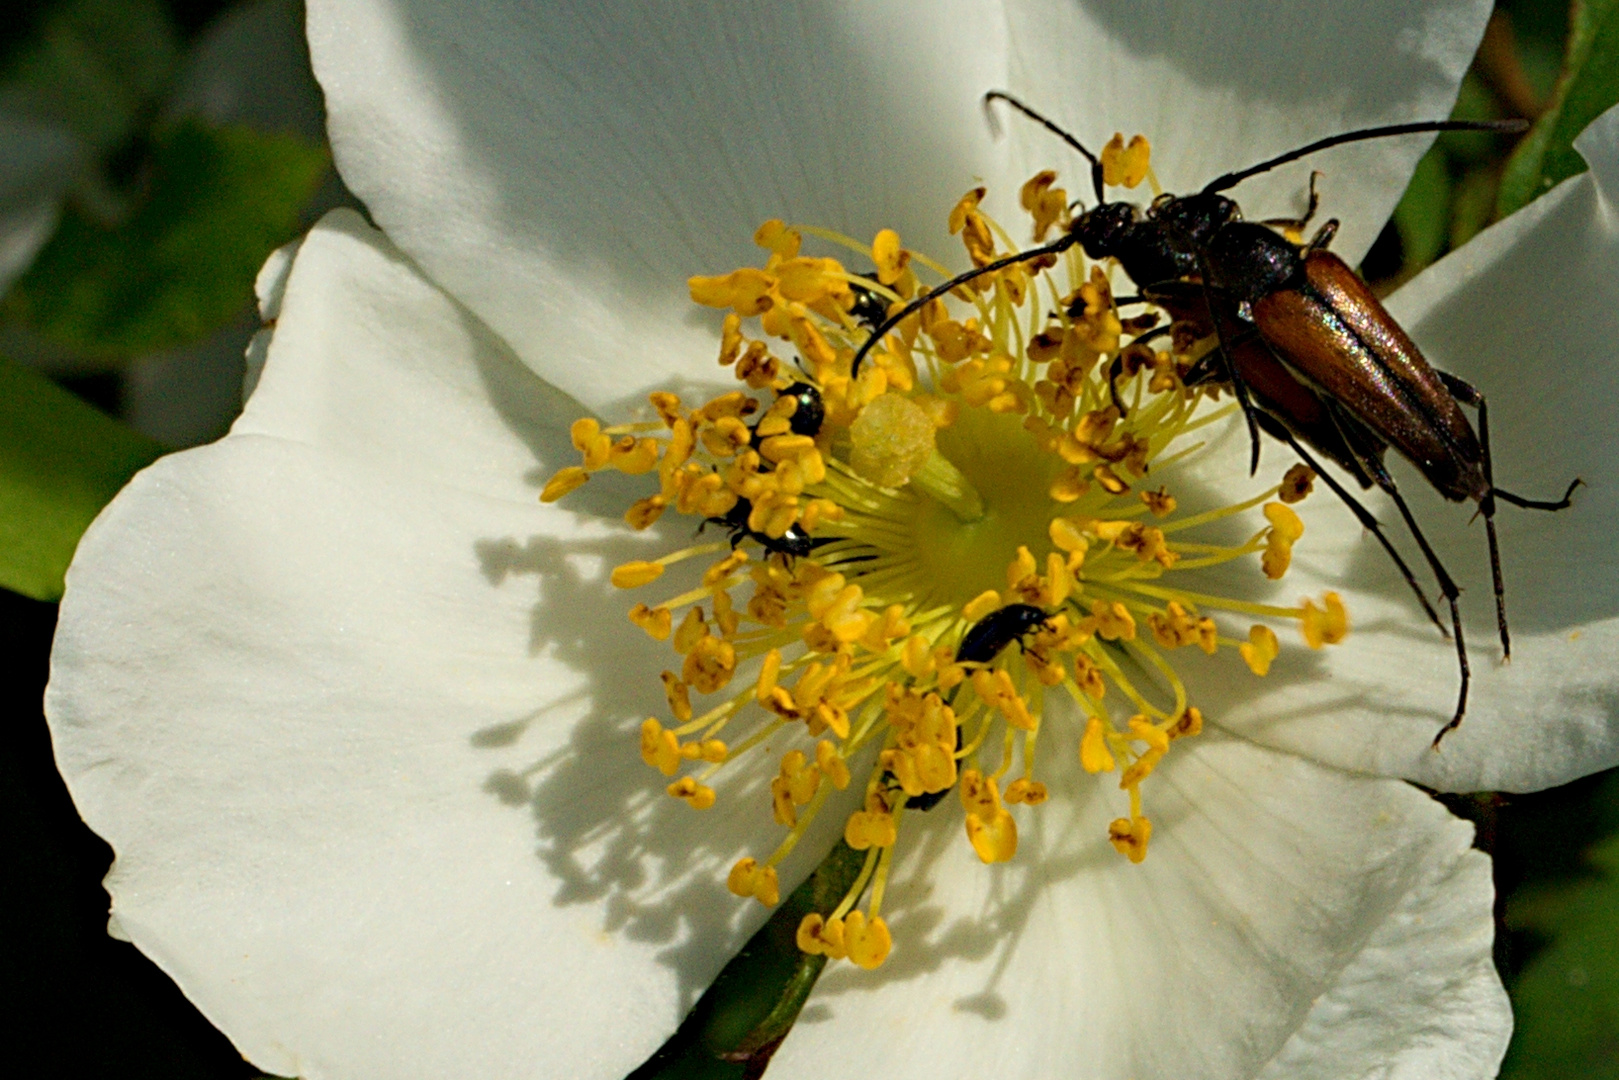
735	1027
1589	87
98	66
61	461
1567	999
1423	215
221	199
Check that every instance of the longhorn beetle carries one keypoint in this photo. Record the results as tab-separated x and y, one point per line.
1266	299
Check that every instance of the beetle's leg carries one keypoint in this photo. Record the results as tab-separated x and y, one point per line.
1323	236
1238	387
1278	430
1116	368
1294	227
1469	394
1354	436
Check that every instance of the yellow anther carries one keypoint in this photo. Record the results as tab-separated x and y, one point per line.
566	480
1093	751
643	512
1187	724
1048	205
667	404
633	456
811	281
709	665
981	605
996	689
659	747
730	347
1130	836
845	617
747	878
679	696
769	671
1020	568
1065	533
699	796
1110	480
889	258
1059	580
1160	502
1260	649
831	764
725	568
776	237
1028	792
867	829
655	621
869	942
1113	621
916	657
746	291
820	936
1146	731
693	628
1298	482
714	751
1285	530
780	448
632	575
994	838
1088	677
757	367
1325	625
590	442
1125	166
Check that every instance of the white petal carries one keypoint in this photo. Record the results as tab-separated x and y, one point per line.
1219	87
349	706
563	169
1529	312
1289	920
562	172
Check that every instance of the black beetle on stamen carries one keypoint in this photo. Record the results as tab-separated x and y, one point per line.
981	644
795	543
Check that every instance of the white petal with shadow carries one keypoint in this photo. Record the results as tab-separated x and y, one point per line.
1289	920
1219	87
563	169
348	704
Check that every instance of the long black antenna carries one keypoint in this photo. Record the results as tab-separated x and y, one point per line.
1056	247
1232	179
1000	95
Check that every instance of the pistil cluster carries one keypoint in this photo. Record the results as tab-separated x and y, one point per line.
1004	458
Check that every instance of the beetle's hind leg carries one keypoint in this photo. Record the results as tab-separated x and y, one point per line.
1469	394
1355	437
1363	515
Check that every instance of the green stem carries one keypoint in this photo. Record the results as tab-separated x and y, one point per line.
735	1027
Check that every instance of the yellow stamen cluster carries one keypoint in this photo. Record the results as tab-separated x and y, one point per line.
987	469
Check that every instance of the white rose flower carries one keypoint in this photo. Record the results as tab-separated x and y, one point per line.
359	715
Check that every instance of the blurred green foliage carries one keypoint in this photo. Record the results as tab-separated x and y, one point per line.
97	66
218	201
61	461
1546	60
1567	997
1588	87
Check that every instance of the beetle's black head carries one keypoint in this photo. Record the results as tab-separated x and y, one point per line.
1194	219
1104	232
